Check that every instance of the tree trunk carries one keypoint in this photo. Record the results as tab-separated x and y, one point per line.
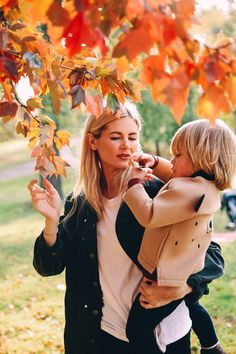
158	150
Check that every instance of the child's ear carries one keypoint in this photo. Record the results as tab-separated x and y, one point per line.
92	141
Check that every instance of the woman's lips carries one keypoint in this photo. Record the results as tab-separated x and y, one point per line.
124	156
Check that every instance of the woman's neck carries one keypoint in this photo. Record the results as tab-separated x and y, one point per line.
110	192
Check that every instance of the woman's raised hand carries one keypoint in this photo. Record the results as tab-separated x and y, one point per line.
45	200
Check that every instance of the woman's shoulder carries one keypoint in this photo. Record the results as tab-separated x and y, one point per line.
71	200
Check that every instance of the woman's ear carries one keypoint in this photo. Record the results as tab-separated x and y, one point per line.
92	141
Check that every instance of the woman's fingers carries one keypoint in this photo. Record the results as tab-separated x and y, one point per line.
49	187
31	184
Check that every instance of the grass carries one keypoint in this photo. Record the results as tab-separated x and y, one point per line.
13	152
32	308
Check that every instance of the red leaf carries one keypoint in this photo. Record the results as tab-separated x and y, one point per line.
8	109
57	14
80	32
8	66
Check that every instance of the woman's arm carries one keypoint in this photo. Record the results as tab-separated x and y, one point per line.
49	248
50	260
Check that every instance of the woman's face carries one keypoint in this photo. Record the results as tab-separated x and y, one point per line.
118	141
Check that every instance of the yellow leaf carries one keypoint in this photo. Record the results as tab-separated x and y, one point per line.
33	103
48	120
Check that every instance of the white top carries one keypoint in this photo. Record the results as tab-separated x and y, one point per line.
120	279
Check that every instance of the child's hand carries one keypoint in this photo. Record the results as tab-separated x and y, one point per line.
143	159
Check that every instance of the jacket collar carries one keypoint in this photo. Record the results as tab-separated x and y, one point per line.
201	173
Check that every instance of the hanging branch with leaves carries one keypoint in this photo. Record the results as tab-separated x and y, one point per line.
92	51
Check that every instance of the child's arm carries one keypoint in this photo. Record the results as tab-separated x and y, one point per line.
172	204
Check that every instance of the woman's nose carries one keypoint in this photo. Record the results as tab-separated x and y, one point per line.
125	144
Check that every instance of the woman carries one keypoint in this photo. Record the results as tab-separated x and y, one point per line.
101	279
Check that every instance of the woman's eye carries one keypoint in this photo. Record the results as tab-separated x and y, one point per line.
132	139
115	138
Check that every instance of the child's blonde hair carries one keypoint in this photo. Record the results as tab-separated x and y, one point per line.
211	148
91	178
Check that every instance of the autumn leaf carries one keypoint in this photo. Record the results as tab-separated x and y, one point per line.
46	135
21	128
78	96
94	104
59	165
33	103
33	59
212	103
8	68
57	94
134	8
62	138
8	109
57	14
229	84
86	35
131	47
112	102
47	120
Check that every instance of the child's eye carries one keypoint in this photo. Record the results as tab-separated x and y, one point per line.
115	138
132	139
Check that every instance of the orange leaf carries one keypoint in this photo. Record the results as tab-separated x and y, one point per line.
153	68
56	93
57	14
134	8
21	128
229	85
95	105
131	47
212	103
60	165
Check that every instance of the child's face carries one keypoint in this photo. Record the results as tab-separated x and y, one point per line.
182	165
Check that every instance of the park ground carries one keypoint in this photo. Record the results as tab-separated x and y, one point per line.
31	307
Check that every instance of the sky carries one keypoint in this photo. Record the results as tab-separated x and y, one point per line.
206	4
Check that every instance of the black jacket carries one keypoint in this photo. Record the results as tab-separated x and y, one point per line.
76	251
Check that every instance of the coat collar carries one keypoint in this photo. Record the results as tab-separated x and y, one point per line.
201	173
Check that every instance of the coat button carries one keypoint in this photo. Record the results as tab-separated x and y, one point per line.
85	220
83	238
95	312
85	306
92	340
95	284
91	255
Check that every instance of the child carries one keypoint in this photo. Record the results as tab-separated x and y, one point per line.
178	220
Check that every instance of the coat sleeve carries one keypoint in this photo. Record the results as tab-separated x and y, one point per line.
213	269
51	260
171	205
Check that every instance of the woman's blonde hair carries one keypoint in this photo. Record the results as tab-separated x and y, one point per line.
211	148
91	180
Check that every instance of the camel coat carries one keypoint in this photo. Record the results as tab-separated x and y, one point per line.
178	222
